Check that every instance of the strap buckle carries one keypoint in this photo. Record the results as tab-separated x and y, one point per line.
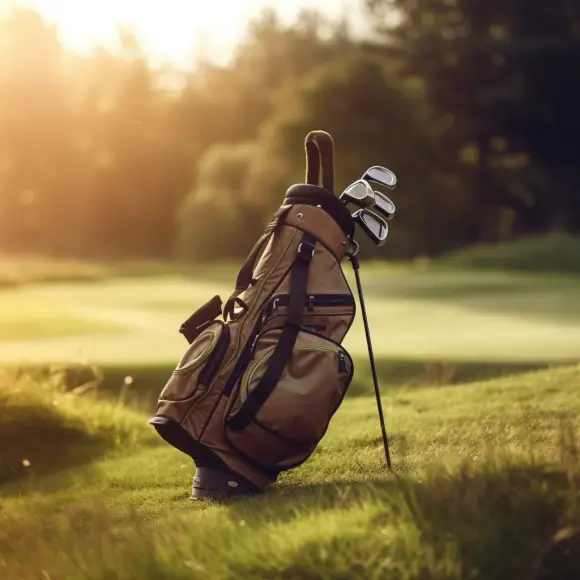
306	251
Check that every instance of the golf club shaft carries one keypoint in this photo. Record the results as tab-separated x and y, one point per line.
356	266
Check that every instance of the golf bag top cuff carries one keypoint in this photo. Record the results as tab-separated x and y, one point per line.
318	196
317	222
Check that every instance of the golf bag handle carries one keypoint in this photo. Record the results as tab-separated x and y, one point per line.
320	159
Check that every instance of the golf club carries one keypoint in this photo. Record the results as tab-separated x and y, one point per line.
381	175
374	226
384	206
360	193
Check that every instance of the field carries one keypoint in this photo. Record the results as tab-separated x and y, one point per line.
481	388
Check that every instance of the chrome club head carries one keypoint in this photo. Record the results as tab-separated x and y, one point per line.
359	193
384	206
374	226
381	175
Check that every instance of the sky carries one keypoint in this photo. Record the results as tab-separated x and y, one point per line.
171	31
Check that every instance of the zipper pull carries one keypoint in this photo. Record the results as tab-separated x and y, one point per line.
341	362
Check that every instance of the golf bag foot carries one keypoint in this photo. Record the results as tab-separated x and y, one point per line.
220	485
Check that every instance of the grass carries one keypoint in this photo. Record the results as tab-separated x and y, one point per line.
29	320
486	464
554	253
485	477
42	428
431	317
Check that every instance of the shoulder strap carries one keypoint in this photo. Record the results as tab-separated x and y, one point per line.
244	278
283	350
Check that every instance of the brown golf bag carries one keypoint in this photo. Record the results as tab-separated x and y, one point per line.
254	393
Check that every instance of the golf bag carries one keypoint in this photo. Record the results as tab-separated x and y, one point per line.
254	393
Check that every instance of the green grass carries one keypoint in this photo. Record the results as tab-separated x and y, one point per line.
31	320
427	317
554	253
42	428
485	476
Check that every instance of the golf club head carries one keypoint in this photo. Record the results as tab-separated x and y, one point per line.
381	175
384	206
374	226
360	193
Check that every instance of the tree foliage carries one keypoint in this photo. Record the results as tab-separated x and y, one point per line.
473	103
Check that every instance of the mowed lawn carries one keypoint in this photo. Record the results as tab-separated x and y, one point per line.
485	481
415	315
486	475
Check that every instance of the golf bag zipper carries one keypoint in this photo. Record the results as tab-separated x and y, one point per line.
315	348
274	302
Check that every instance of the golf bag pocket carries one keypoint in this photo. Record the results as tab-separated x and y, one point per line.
289	424
198	366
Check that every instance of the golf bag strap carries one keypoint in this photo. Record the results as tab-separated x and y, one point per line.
283	350
320	159
244	278
201	318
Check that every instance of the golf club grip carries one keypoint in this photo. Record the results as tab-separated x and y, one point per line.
320	157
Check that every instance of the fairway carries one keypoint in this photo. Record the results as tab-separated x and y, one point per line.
415	316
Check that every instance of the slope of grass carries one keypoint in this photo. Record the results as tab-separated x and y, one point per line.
486	475
43	429
557	253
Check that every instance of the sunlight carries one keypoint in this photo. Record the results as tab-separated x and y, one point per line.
169	31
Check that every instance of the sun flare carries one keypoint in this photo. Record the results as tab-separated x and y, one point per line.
171	30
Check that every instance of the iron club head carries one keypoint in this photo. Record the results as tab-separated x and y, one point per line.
374	226
384	206
381	175
359	193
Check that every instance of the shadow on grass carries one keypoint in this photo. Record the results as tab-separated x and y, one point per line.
505	523
36	441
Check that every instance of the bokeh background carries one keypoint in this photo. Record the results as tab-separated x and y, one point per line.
173	131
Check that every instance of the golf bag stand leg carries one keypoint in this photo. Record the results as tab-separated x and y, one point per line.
356	266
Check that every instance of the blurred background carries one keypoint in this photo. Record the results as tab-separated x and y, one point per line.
142	131
157	139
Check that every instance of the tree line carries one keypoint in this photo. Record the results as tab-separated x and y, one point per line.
473	103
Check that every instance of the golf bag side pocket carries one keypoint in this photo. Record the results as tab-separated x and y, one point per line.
194	372
286	429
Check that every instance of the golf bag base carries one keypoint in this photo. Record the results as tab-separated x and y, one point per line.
220	485
213	479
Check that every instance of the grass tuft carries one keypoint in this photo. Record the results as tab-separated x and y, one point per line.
42	428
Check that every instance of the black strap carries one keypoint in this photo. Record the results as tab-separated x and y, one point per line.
320	159
283	350
193	326
245	278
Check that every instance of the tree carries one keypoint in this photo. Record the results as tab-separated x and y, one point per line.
375	120
503	76
214	220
